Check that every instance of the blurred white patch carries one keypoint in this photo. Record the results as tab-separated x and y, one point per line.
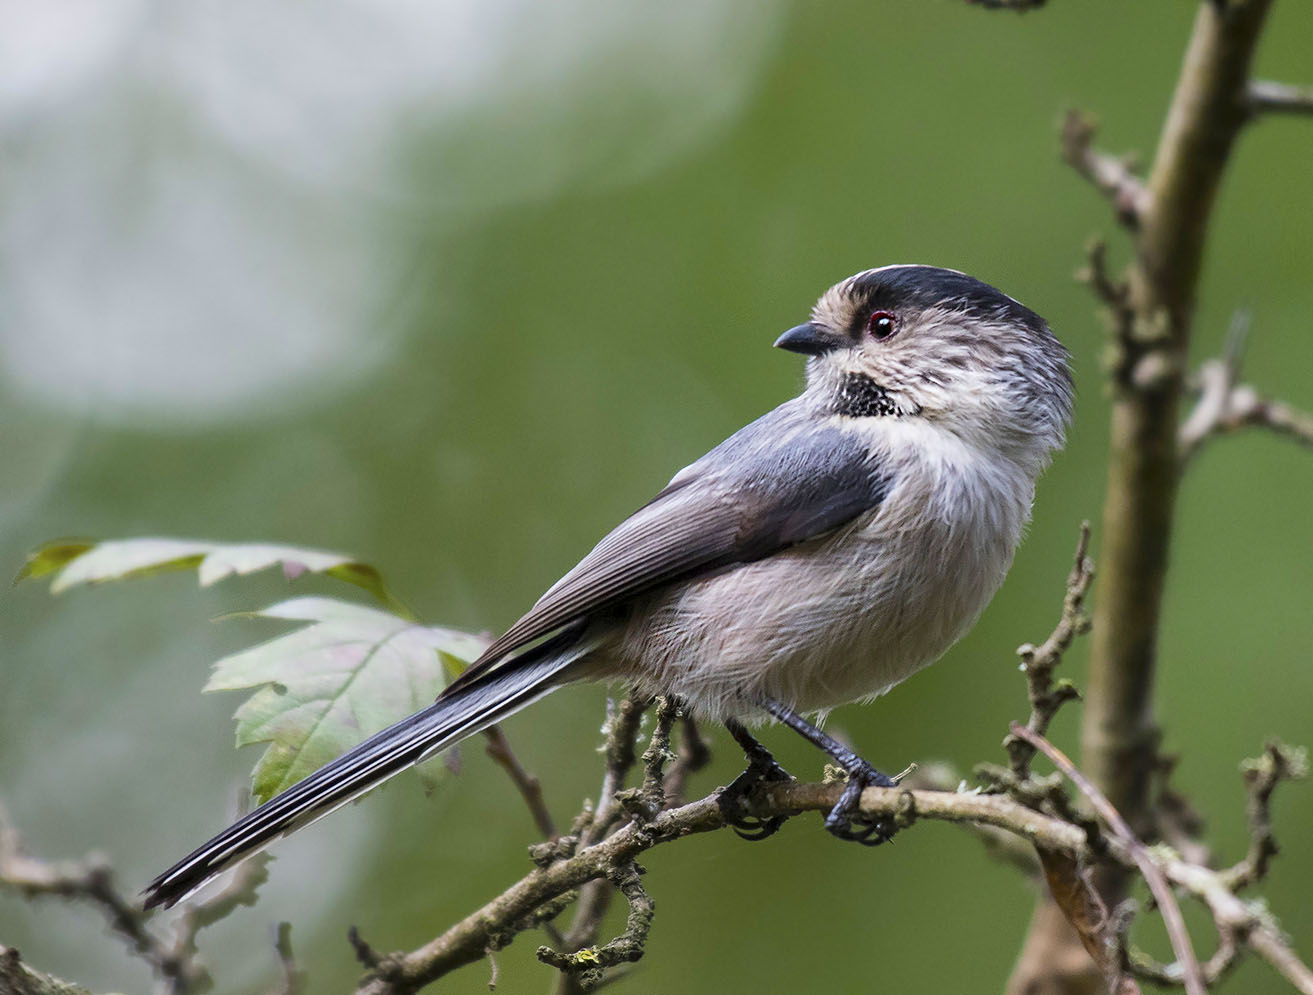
200	198
51	49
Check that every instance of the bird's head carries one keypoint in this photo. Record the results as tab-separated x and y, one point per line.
925	342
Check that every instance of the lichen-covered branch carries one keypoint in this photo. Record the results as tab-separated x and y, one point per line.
598	857
692	756
515	909
588	965
16	978
594	899
465	942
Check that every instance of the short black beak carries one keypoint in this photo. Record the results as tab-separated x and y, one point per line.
810	339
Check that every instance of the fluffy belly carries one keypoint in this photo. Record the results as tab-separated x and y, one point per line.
840	619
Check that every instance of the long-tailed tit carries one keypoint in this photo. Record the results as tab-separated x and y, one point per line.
818	556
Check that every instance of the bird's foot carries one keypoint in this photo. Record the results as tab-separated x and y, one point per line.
735	800
846	820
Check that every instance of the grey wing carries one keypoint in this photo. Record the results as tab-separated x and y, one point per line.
768	487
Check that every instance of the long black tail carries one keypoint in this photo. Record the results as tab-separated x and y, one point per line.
448	720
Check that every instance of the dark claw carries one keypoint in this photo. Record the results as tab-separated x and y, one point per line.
870	834
734	800
846	821
753	829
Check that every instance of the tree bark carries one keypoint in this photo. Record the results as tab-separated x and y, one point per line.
1120	735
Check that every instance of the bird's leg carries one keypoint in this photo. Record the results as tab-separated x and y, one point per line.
762	769
845	820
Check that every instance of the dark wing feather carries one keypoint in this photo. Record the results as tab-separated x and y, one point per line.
770	486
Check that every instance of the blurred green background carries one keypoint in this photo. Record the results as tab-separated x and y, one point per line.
455	286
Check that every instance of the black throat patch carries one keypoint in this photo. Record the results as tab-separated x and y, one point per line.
861	397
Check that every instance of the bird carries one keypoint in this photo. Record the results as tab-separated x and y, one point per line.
818	556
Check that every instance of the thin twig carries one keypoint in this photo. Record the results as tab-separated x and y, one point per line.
1162	892
1111	291
92	880
1216	967
528	784
1020	6
588	966
646	801
1038	662
1215	381
622	730
1113	177
292	979
365	953
242	889
1269	944
1249	409
1225	405
1278	763
1249	921
1267	97
694	754
1176	821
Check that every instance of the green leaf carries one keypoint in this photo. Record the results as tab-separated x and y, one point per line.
81	562
348	672
51	557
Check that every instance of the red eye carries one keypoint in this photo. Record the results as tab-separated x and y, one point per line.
881	324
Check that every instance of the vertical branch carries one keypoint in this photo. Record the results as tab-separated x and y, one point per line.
1152	312
1207	112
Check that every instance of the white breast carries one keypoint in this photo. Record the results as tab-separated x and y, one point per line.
849	615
